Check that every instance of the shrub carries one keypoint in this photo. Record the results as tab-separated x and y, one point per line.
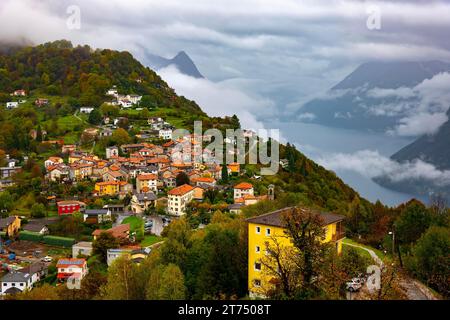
30	236
58	241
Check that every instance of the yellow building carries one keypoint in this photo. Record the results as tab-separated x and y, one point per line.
10	225
268	230
112	188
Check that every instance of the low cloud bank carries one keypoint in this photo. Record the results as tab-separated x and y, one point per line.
221	98
372	164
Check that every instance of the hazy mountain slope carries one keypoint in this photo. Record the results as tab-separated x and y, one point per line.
351	105
434	149
392	74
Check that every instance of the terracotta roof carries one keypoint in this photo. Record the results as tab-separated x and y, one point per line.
204	179
147	177
243	186
55	159
275	218
107	183
168	144
181	190
121	231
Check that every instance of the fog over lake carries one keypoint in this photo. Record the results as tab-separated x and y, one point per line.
319	142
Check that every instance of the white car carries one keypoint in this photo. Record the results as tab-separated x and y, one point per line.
354	285
47	259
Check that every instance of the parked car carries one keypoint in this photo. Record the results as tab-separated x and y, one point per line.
354	285
47	259
148	224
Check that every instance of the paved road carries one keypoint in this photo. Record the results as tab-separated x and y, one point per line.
121	217
158	225
372	253
414	290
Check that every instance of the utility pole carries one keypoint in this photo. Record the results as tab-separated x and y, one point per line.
393	242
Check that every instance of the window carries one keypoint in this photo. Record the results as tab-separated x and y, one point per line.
258	249
257	266
258	230
257	283
62	270
268	232
5	284
21	284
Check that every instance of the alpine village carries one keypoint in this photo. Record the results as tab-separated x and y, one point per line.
97	204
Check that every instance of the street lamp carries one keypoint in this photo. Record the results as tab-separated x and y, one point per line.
393	242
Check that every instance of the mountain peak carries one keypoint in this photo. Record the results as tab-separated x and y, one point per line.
182	61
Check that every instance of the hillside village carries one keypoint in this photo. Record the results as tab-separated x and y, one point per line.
96	187
145	183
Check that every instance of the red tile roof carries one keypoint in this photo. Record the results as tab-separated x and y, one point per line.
181	190
243	186
147	177
121	231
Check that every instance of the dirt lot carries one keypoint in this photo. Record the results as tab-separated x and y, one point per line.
32	251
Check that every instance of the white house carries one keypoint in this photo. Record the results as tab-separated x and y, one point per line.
179	197
133	98
243	189
86	109
125	103
22	279
52	161
82	248
112	152
71	268
146	183
165	134
112	92
19	93
15	282
12	105
142	201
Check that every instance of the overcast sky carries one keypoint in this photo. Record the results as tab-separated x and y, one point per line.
270	54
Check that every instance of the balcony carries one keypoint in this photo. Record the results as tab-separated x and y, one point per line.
338	236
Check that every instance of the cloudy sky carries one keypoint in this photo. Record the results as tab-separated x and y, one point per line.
264	58
266	54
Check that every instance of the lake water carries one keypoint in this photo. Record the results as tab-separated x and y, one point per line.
318	142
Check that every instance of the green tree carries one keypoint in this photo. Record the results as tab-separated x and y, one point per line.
182	178
6	201
225	177
39	135
95	117
104	242
121	284
174	249
120	136
166	283
109	110
38	210
431	259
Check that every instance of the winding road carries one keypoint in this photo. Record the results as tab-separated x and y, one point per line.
414	290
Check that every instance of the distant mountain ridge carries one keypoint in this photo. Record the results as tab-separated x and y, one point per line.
182	61
434	149
349	104
392	75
